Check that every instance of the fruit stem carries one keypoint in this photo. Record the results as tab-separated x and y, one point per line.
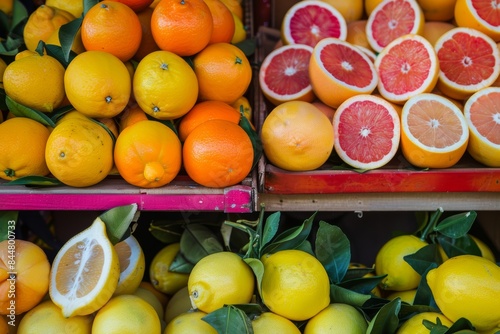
432	223
9	172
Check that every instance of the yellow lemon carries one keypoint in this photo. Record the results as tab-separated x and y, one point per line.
468	286
132	265
390	261
295	284
151	299
220	279
178	304
243	104
414	325
486	251
240	33
337	318
161	277
407	296
74	7
189	322
269	322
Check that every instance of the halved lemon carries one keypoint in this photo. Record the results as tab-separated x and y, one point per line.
132	265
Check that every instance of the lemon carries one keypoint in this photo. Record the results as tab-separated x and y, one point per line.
486	251
74	7
414	325
295	284
269	322
468	286
190	322
126	314
178	304
161	277
132	265
85	272
218	279
240	33
389	261
151	299
162	297
47	318
337	318
406	296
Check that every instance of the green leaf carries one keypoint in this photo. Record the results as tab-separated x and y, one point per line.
363	285
60	112
180	264
229	319
459	246
435	327
270	228
118	220
460	324
424	294
198	241
386	320
19	16
67	33
248	46
333	250
105	127
339	294
35	181
422	259
165	231
87	4
254	137
258	270
8	222
290	238
22	111
252	236
458	225
56	52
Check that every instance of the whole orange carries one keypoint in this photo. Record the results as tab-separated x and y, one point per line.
148	43
205	111
223	71
136	5
235	7
148	154
218	154
24	276
223	22
131	115
182	26
112	27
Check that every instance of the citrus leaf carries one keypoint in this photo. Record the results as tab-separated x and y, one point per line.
423	258
458	246
180	264
35	180
435	327
67	33
362	285
87	4
386	320
198	241
458	225
254	138
3	104
165	231
333	250
59	113
251	251
22	111
19	17
306	246
460	324
118	220
56	52
167	122
339	294
105	127
424	294
229	319
248	46
258	270
8	221
270	228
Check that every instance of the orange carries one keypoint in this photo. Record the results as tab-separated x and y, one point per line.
435	29
218	154
27	279
370	6
131	115
42	23
22	152
434	132
183	27
356	33
6	6
97	84
165	86
242	104
222	22
148	43
136	5
112	27
223	71
110	123
479	15
297	136
235	7
205	111
148	154
77	45
351	10
438	10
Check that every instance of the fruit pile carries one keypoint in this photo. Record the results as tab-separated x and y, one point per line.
252	277
98	88
413	80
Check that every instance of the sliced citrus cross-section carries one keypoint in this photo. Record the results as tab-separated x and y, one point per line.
284	74
408	66
482	15
132	265
85	272
468	60
367	131
339	70
434	133
308	22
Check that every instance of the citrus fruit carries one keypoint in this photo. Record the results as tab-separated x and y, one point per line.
162	297
85	272
47	317
182	27
222	22
297	136
149	297
112	27
294	285
351	10
483	120
370	6
407	296
217	154
480	15
438	10
340	67
148	43
76	46
242	104
35	81
148	154
97	84
391	19
4	325
223	71
269	322
178	304
204	111
132	265
235	6
367	131
337	317
164	85
131	115
79	151
74	7
406	67
22	152
434	131
42	22
284	74
220	279
126	314
161	277
466	286
468	61
136	5
390	261
415	325
6	6
486	251
356	33
240	32
308	22
189	322
435	29
24	284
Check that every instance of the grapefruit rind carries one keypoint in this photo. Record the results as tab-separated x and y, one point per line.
294	65
480	147
327	87
467	16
